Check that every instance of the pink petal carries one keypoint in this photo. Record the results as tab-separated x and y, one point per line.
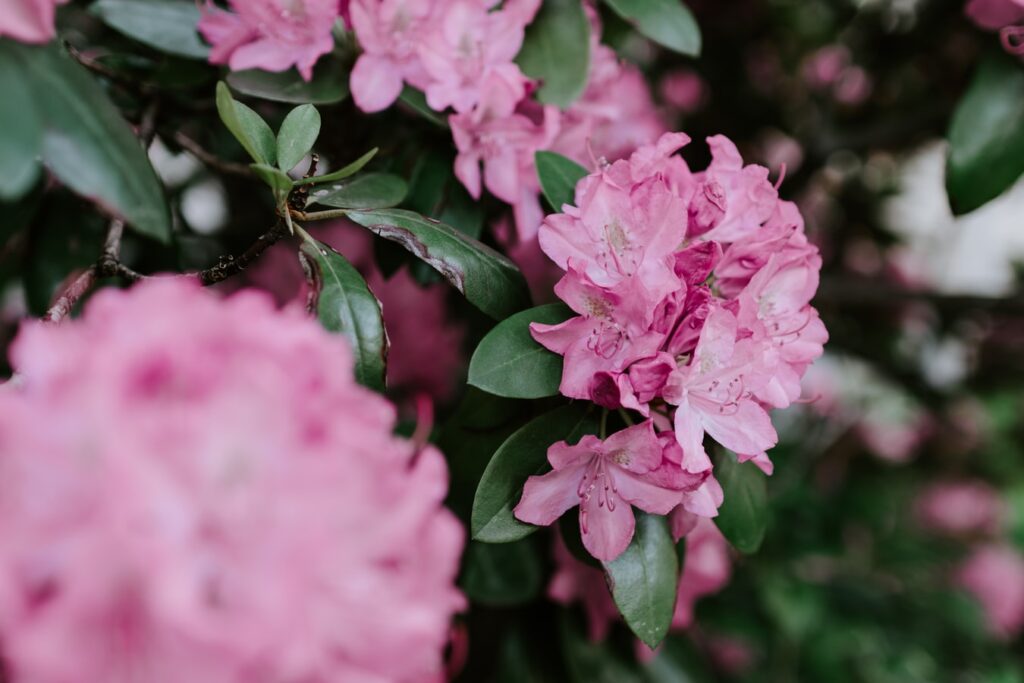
547	497
376	83
606	530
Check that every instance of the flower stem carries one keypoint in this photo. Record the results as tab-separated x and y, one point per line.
604	423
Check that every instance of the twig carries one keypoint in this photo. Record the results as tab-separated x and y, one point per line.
230	265
216	163
320	215
71	295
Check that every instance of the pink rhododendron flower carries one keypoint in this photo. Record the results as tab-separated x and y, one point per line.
575	581
707	569
29	21
994	574
692	292
273	35
683	89
605	479
149	532
960	507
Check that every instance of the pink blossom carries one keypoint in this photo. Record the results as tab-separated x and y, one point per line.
389	31
995	14
994	575
741	192
575	581
683	89
272	35
605	479
960	508
706	570
150	532
29	21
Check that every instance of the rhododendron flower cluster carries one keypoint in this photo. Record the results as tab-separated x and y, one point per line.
692	298
28	21
196	489
273	35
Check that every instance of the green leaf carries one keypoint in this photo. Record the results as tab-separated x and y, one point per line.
328	85
556	51
23	132
986	136
523	454
487	279
667	22
298	133
278	181
503	574
341	173
345	304
248	127
644	579
508	362
590	662
417	101
166	25
558	176
743	516
86	143
366	192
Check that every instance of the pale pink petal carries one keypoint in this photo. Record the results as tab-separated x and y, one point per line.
547	497
376	83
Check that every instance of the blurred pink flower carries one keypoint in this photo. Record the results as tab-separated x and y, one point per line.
148	530
683	89
707	569
995	14
960	508
994	574
575	581
272	35
29	21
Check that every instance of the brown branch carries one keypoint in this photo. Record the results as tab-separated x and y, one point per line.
228	266
214	162
71	295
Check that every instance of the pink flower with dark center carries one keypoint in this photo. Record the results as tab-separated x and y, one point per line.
605	479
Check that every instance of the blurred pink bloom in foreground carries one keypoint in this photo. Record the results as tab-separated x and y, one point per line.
994	574
28	21
149	531
272	35
959	508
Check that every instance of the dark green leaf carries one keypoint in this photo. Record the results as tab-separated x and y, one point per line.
23	132
365	192
556	51
743	516
417	101
558	176
502	574
166	25
345	304
523	454
278	181
86	143
644	579
986	136
299	131
667	22
341	173
508	362
248	127
589	662
488	280
329	84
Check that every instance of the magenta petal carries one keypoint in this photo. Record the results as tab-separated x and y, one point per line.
547	497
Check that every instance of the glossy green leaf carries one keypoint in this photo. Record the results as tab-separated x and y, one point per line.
22	145
556	51
523	454
86	143
501	574
365	192
644	579
346	305
986	136
328	85
667	22
341	173
508	362
487	279
743	516
278	181
417	101
298	133
558	176
248	127
166	25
